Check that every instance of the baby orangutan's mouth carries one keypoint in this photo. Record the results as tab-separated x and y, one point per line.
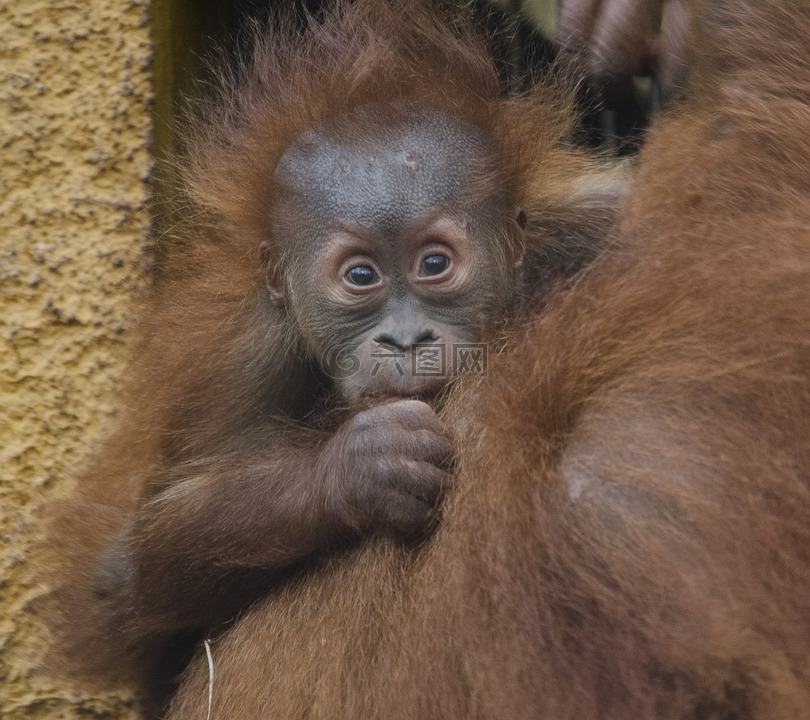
419	389
427	389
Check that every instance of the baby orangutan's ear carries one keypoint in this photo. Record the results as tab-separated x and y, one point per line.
274	280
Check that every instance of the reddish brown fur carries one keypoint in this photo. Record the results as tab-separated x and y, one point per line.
629	533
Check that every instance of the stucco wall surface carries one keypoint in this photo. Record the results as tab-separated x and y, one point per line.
74	136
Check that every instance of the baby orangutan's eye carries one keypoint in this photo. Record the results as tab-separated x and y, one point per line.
434	265
362	276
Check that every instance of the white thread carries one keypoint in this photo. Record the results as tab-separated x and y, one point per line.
207	644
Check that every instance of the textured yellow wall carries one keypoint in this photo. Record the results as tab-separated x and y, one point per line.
74	133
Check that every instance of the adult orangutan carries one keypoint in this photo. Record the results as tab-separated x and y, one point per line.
612	523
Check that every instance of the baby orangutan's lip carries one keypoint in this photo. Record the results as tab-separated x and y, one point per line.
424	389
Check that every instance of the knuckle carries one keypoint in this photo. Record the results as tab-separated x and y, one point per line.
411	409
410	516
428	447
362	422
422	480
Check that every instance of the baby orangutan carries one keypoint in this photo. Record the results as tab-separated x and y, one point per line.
343	221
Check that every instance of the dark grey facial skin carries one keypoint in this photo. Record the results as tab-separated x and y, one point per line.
383	177
384	188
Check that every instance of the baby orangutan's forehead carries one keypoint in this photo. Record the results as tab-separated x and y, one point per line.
366	170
